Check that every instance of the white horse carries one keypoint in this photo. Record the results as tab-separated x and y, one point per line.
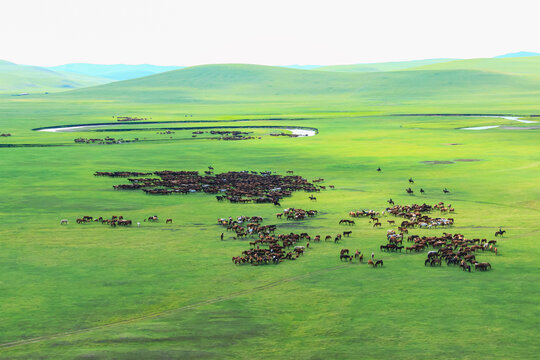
64	222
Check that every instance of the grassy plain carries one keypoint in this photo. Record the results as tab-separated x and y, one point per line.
171	291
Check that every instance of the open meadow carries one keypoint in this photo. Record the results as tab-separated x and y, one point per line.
170	290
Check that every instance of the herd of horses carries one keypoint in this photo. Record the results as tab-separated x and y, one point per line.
345	255
296	214
236	187
250	226
279	249
114	221
412	214
105	141
226	134
453	249
268	248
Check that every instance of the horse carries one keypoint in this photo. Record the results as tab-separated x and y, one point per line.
311	197
168	221
482	266
347	233
344	256
409	191
344	251
446	191
379	262
411	181
500	232
379	169
377	224
370	262
64	222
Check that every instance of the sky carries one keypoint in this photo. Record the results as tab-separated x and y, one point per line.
270	32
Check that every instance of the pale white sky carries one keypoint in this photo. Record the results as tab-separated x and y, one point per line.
273	32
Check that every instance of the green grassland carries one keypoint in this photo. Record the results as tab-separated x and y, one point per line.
171	290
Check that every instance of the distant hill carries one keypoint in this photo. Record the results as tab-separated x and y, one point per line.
303	67
114	72
509	65
255	84
23	78
383	66
517	54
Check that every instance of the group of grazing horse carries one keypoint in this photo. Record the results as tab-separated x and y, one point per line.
105	141
276	251
454	249
363	213
251	228
296	214
416	218
113	221
345	255
236	187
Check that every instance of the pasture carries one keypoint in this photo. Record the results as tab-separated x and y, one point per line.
170	290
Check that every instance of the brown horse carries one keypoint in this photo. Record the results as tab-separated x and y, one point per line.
482	266
168	221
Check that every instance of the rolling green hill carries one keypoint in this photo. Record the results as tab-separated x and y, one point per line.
515	65
22	78
237	84
383	66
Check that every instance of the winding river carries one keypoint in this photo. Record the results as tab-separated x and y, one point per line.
300	132
513	118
